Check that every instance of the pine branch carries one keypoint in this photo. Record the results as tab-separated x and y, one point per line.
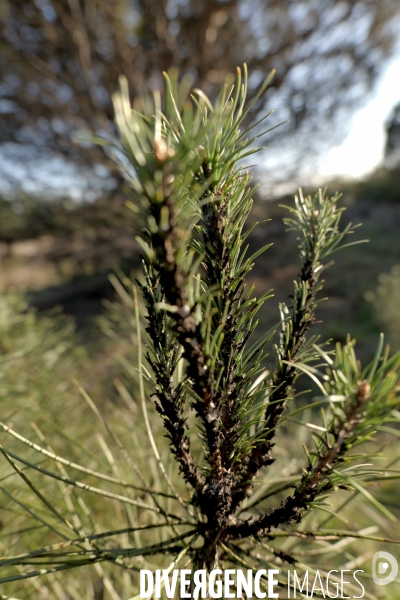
174	285
213	495
218	237
316	481
317	221
163	362
302	318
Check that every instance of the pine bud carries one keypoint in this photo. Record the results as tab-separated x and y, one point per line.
363	390
161	150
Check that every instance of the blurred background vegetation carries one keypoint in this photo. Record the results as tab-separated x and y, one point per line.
63	224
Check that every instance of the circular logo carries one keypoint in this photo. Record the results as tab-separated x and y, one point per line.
386	561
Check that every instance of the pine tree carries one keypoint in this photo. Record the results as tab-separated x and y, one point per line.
227	398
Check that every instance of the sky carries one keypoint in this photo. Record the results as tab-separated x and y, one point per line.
46	176
363	148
